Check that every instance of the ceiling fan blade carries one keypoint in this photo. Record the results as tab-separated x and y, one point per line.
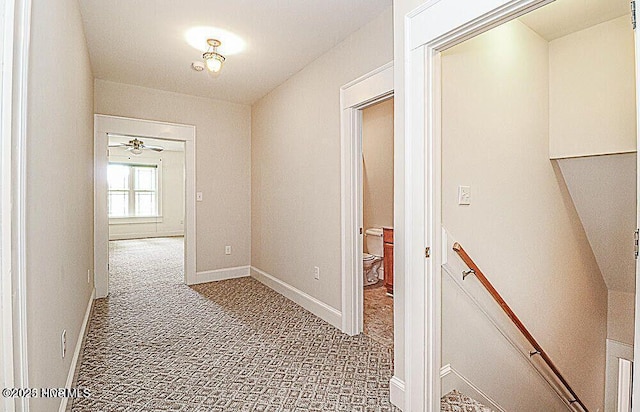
119	145
156	148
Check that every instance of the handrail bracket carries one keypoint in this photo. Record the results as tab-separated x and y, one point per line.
467	273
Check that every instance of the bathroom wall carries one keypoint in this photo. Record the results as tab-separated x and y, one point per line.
521	227
171	221
377	165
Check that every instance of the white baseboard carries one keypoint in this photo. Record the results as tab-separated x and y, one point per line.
127	236
221	274
78	348
452	379
396	392
313	305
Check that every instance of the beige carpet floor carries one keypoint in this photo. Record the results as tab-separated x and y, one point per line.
156	344
455	401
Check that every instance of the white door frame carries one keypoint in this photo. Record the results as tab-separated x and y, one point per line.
6	300
14	51
355	96
635	393
430	29
144	128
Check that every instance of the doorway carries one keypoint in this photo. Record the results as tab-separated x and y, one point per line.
145	201
377	220
424	85
536	182
365	91
371	88
129	193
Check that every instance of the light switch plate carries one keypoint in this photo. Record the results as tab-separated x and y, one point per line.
464	195
198	196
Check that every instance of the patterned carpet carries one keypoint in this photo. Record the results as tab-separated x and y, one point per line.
157	345
454	401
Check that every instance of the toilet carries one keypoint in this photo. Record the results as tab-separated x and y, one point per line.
372	261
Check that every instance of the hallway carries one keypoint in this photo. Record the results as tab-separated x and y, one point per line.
156	344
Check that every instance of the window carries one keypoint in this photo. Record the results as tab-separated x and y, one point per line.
133	190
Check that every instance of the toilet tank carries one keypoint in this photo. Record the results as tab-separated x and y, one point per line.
374	241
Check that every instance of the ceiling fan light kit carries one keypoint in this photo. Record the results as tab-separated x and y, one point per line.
135	147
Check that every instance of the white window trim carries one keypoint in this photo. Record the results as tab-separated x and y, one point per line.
126	220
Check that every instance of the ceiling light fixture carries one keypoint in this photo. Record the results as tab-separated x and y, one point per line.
135	146
212	58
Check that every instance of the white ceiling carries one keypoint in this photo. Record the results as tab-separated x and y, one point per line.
603	189
563	17
142	42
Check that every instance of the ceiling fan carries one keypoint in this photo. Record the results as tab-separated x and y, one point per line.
135	146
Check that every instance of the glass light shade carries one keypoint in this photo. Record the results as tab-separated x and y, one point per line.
136	151
214	64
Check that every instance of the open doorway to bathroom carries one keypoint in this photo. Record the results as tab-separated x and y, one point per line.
377	220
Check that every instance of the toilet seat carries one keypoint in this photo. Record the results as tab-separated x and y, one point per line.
367	257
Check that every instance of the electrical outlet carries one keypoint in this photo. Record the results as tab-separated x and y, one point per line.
227	250
316	273
63	341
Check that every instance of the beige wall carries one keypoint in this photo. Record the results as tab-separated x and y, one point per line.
377	165
592	95
171	223
59	250
295	161
223	171
603	190
521	226
620	318
474	347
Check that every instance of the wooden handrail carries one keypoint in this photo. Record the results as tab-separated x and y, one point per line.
537	349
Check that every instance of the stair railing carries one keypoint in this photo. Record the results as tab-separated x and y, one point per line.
537	349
